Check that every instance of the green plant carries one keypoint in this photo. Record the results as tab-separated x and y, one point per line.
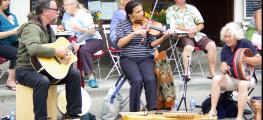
96	15
159	16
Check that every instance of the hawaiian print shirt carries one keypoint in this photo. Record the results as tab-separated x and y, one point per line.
189	17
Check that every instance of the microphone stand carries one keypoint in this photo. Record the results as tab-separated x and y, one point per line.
185	79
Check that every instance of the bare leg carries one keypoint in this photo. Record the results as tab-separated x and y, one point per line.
11	80
211	54
188	50
242	97
215	92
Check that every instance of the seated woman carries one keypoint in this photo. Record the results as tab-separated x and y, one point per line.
233	37
8	41
136	62
79	20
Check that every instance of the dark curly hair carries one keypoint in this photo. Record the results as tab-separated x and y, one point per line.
130	5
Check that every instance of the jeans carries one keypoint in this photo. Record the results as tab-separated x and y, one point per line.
40	84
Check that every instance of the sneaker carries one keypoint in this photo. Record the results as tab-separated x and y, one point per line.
93	83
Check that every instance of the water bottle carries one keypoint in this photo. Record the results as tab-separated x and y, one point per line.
12	115
175	106
192	104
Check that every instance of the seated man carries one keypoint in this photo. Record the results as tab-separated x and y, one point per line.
187	18
232	35
32	36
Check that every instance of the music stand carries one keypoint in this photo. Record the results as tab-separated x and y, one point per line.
173	56
185	79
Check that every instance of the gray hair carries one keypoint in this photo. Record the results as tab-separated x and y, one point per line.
78	5
234	29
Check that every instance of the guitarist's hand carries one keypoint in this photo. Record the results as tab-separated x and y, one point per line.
61	52
76	48
91	31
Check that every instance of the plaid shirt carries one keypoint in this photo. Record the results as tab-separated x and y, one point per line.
189	17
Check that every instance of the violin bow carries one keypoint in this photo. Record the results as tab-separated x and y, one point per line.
149	24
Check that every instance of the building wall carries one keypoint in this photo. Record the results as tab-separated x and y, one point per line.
238	11
21	8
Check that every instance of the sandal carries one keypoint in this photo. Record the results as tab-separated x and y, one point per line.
186	77
93	83
9	87
210	77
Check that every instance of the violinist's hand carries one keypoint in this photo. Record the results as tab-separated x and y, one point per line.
167	34
141	32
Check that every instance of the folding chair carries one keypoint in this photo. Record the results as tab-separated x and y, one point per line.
114	53
3	66
98	55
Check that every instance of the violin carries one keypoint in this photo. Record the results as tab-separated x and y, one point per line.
154	28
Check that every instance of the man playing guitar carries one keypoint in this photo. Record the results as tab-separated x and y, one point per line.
32	37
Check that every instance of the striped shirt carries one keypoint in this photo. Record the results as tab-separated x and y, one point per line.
133	48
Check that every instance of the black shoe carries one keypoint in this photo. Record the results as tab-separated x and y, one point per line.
70	117
246	111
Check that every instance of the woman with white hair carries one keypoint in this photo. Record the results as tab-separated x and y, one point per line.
79	20
233	37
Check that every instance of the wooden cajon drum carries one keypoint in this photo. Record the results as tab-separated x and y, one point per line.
24	102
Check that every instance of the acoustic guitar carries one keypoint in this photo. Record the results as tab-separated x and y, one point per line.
57	67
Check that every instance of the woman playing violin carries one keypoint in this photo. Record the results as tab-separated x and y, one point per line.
135	61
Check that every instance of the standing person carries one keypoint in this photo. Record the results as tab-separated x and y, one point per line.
32	36
79	20
8	41
254	32
118	16
233	36
187	18
135	59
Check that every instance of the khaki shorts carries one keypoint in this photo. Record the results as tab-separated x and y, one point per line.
183	41
232	83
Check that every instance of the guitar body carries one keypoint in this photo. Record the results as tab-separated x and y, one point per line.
56	67
165	84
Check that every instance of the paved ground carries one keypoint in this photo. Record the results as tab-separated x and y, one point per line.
198	87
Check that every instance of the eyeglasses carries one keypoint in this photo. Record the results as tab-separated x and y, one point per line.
53	9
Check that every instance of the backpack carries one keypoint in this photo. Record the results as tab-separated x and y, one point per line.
226	106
